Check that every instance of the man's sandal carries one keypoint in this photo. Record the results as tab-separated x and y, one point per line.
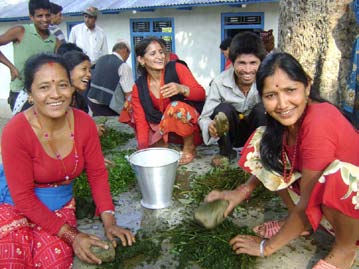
270	228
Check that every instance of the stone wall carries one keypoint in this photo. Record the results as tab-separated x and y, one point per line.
320	34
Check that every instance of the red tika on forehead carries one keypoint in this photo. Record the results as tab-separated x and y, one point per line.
51	63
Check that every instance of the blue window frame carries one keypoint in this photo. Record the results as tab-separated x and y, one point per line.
69	26
158	27
233	23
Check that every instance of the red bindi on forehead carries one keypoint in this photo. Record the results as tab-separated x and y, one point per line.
51	63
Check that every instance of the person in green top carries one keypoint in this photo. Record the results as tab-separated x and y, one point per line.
28	40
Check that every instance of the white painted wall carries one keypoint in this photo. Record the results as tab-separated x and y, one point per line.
197	35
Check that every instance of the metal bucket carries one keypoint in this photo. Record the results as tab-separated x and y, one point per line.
155	170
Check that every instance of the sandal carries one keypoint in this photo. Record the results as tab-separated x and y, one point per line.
322	264
270	228
186	158
267	229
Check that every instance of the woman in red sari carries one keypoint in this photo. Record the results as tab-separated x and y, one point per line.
164	101
310	148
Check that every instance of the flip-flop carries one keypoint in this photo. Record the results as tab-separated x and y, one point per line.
267	229
270	228
186	158
322	264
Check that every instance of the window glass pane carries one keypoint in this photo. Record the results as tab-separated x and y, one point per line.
137	39
168	40
242	20
141	26
162	26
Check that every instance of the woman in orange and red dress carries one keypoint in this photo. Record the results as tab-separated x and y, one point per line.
166	101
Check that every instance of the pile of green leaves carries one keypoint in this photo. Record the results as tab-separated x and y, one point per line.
146	249
190	244
208	248
120	175
113	138
227	178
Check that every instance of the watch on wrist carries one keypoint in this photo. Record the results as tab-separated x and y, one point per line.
186	91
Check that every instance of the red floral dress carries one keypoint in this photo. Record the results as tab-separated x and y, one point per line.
329	144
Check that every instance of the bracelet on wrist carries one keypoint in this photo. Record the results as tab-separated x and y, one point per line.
244	188
109	212
261	248
69	235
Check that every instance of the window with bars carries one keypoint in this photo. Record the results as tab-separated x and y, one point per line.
158	27
243	20
233	23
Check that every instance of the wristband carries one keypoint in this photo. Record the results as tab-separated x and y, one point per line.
261	248
69	235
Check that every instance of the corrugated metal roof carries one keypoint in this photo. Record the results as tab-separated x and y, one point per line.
18	9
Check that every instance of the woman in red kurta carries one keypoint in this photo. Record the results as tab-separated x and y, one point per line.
164	101
309	147
43	150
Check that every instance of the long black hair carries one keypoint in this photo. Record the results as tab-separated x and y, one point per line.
141	49
271	143
73	58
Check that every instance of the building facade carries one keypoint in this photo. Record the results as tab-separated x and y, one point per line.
193	33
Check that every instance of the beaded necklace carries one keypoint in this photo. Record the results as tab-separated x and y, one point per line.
288	177
54	149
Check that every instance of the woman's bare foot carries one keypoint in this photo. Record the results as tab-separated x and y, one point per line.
189	150
341	258
187	157
160	144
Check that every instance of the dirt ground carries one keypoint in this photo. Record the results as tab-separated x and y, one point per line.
301	253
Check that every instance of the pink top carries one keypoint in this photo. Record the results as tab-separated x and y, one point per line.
186	78
26	163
